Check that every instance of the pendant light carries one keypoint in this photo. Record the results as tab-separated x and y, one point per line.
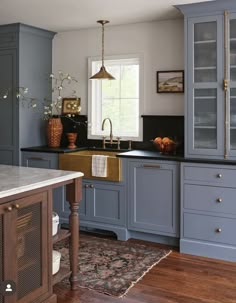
102	74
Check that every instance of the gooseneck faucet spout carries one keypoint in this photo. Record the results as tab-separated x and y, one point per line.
103	123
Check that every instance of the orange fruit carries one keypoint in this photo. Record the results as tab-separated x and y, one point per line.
158	140
165	140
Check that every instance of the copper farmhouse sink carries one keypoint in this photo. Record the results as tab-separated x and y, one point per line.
82	161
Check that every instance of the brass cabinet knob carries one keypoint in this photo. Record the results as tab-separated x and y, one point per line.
219	200
9	208
17	206
219	175
218	230
91	185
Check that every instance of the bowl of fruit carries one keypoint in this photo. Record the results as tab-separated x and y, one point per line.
165	145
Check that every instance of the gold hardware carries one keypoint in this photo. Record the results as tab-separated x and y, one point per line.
151	166
9	208
225	84
218	230
219	200
219	175
17	206
91	186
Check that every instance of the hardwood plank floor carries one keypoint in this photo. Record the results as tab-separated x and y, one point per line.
180	278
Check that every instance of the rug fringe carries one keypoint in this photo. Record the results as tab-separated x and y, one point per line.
134	282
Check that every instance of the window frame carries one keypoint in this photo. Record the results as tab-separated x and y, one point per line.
141	89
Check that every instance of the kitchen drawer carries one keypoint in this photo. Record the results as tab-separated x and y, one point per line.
210	198
209	228
216	175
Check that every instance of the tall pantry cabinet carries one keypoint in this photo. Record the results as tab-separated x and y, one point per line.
25	61
207	213
210	65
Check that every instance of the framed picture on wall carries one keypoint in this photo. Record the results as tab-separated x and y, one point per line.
170	81
71	106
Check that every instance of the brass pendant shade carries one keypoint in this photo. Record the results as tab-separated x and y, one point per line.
102	74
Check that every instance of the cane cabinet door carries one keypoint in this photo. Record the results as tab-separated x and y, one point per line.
26	250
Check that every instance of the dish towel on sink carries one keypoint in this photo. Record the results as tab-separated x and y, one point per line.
99	166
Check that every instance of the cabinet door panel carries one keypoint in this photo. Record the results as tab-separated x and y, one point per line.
33	249
8	118
83	206
204	106
232	92
153	198
107	204
8	245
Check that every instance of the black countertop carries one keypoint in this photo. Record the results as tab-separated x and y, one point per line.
46	149
155	155
136	154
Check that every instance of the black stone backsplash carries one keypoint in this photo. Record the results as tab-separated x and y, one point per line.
153	126
163	126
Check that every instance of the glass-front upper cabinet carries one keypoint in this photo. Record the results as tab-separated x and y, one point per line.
232	84
204	106
210	79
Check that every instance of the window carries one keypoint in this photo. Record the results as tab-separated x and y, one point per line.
118	99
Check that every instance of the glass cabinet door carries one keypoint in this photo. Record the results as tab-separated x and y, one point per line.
232	92
205	110
205	113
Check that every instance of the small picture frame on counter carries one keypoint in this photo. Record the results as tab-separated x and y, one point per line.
170	81
71	106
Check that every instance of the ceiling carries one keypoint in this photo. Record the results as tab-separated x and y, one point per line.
66	15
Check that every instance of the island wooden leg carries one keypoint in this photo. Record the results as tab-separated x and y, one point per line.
73	196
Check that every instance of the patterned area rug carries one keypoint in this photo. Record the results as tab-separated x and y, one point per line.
110	266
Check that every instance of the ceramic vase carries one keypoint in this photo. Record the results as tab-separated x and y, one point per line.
71	138
54	132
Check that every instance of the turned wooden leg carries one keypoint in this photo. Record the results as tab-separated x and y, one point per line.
73	196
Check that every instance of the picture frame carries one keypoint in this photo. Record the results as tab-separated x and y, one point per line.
71	106
170	81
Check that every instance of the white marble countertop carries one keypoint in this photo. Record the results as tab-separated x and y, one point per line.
17	179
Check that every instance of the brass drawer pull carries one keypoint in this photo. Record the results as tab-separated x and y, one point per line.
218	230
219	175
219	200
152	166
17	206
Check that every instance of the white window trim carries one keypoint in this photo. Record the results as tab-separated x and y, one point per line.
141	93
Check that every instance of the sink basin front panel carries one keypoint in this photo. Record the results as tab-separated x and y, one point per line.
82	161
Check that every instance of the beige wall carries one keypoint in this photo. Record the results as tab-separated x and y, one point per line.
160	42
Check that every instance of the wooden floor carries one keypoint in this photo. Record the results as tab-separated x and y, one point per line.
179	278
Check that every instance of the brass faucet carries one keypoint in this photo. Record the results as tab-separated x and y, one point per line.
103	123
111	135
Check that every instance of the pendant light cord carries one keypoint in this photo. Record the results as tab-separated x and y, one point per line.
102	44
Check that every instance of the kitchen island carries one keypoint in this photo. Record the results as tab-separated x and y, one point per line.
26	231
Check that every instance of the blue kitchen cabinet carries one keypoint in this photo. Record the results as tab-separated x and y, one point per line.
103	207
49	161
103	204
208	210
153	197
210	79
25	60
